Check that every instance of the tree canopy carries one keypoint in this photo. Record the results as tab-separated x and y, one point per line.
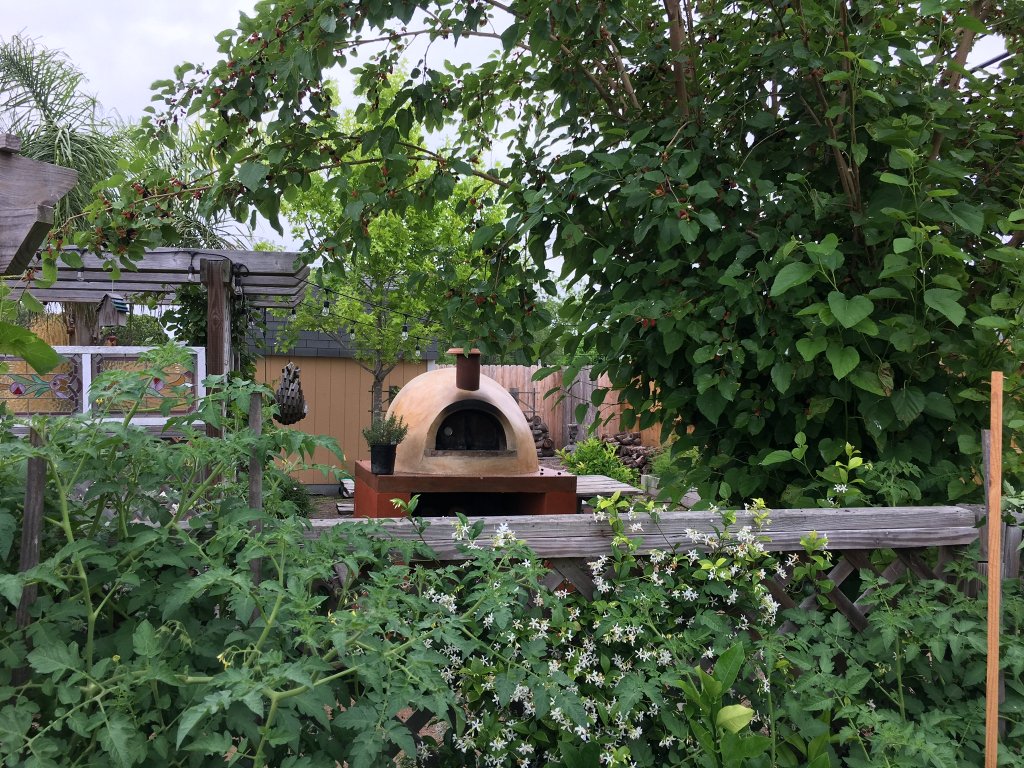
787	223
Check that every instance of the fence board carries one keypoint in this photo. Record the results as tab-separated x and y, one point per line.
581	536
558	410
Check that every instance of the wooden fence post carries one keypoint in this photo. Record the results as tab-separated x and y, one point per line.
994	690
31	530
256	475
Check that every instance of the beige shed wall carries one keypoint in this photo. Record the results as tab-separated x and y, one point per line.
337	393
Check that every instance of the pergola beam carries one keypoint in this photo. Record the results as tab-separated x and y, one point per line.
28	191
267	278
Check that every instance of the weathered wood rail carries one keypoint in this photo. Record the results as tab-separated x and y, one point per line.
567	542
583	536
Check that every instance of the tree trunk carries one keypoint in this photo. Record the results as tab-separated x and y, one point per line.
377	397
84	316
379	372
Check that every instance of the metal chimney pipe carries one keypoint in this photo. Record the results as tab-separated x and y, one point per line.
467	368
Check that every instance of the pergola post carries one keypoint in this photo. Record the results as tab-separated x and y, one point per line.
215	275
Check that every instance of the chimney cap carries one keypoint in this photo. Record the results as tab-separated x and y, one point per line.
463	352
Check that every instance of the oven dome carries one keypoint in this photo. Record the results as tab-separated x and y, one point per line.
457	432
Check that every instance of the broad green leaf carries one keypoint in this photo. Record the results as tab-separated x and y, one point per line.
252	174
782	376
892	178
969	217
946	302
868	381
842	358
122	741
734	717
849	311
902	245
54	657
145	640
188	721
672	339
11	588
811	348
736	749
939	406
728	666
776	457
22	343
792	275
711	404
907	404
32	304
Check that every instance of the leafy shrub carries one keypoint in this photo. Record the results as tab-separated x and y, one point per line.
593	456
152	642
294	497
390	430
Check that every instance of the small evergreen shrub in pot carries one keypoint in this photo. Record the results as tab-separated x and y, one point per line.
383	436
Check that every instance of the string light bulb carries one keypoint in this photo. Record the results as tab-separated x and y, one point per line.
418	353
191	273
80	275
294	313
352	332
405	331
327	308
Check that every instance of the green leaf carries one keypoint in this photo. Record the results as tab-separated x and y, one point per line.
629	691
11	588
728	666
939	406
902	245
673	340
252	174
892	178
782	376
54	657
22	343
32	304
776	457
711	404
849	311
188	721
737	749
122	741
843	359
908	404
810	348
969	217
734	717
790	276
945	301
868	381
145	641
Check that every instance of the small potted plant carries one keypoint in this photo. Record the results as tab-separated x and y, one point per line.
383	436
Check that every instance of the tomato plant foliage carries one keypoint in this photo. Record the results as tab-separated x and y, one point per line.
779	217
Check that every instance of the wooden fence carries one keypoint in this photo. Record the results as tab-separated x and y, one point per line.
568	542
558	409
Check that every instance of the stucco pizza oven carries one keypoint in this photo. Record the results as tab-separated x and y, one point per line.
469	449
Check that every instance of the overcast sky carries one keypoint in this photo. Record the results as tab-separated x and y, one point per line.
123	46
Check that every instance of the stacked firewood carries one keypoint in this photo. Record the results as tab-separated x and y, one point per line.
628	448
541	437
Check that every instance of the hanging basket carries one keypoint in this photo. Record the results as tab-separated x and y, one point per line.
291	404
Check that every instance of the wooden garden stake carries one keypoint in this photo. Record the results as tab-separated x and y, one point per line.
995	560
256	475
31	531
